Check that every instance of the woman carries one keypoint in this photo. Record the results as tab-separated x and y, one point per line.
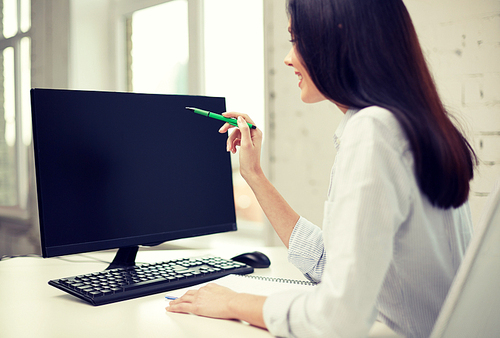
396	221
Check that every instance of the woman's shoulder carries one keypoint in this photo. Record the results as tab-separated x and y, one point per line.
376	120
378	114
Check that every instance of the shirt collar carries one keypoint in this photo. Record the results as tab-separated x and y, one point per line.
340	129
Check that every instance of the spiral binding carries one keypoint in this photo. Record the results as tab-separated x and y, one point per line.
280	280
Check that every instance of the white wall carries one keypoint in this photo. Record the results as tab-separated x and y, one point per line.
299	150
461	39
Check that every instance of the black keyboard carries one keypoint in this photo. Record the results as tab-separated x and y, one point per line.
115	285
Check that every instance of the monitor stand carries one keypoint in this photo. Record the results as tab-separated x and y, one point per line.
124	257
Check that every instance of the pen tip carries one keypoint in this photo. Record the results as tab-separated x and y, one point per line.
189	108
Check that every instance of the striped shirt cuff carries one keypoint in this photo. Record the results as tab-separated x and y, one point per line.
306	250
276	312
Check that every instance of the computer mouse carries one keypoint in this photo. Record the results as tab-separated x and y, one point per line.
255	259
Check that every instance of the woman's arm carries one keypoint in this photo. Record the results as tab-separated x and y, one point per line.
217	301
279	213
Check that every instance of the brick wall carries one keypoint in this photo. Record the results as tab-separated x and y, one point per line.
461	39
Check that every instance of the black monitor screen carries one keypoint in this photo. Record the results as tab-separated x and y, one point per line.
124	169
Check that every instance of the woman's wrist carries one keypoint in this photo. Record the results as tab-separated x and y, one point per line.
249	308
253	176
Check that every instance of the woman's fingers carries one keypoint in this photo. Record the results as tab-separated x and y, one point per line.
233	140
235	115
225	127
180	308
246	137
211	300
235	137
236	143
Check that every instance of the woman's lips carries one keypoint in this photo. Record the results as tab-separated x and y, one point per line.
300	78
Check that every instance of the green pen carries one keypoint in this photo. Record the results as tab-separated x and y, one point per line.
230	120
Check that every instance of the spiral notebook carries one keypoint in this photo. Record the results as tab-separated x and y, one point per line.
259	285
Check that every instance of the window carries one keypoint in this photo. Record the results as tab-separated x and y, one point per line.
158	43
210	47
15	114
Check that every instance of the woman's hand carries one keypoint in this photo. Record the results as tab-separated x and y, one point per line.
216	301
249	141
211	300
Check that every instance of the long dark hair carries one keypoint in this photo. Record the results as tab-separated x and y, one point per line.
361	53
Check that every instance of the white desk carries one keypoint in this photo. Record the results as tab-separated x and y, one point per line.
29	307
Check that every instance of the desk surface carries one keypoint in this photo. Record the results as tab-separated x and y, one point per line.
29	307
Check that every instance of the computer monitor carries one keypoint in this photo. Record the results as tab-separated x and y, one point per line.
119	170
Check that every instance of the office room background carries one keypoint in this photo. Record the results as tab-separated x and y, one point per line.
230	48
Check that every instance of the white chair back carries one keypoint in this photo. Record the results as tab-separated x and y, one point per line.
472	307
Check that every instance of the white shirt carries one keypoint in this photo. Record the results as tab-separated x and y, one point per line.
384	250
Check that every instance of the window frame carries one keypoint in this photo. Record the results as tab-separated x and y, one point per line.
22	151
122	12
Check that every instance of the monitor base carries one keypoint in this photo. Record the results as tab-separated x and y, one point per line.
124	257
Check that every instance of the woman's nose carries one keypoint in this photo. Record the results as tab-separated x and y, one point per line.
288	58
